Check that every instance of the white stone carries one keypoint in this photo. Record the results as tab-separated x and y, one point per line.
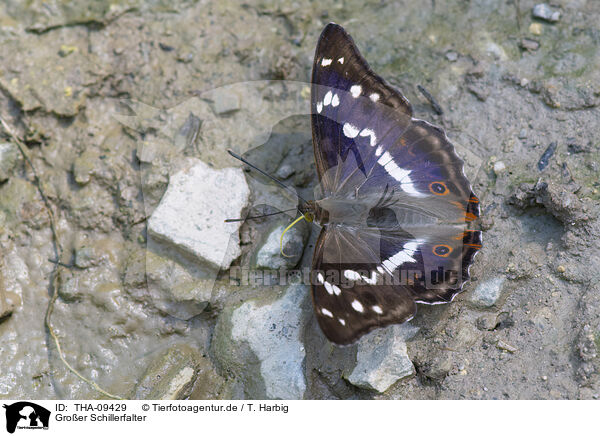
191	215
382	358
273	332
499	167
487	293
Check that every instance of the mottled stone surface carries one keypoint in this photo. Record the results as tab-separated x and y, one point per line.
268	255
171	375
382	358
261	342
191	215
487	293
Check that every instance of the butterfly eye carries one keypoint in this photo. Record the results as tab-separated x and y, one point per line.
442	250
438	188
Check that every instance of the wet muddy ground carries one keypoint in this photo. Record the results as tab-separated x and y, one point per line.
111	99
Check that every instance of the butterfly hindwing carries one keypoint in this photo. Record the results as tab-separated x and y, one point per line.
347	302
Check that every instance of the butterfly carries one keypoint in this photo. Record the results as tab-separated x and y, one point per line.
393	201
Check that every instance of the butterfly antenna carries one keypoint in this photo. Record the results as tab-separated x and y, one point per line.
233	220
264	173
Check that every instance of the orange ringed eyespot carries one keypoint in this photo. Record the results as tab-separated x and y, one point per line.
442	250
438	188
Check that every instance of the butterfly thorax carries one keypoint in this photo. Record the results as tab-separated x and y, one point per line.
335	211
313	212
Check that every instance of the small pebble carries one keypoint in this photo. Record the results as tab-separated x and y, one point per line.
545	159
545	12
535	29
452	56
561	269
165	47
544	377
499	167
529	44
505	346
523	134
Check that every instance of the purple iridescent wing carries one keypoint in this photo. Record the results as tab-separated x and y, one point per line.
395	194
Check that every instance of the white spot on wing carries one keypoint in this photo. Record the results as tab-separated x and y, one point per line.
379	150
328	288
320	278
355	90
350	131
377	309
325	62
357	306
336	290
327	98
400	174
403	256
370	280
409	188
319	107
326	312
341	60
342	321
335	100
371	133
374	97
351	275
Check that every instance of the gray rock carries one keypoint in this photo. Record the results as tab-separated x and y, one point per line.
545	12
261	344
529	44
382	358
269	256
174	289
487	293
523	134
8	159
171	375
191	215
452	56
285	171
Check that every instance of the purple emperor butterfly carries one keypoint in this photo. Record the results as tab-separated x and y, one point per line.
394	202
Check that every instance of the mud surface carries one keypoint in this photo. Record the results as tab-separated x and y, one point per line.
98	92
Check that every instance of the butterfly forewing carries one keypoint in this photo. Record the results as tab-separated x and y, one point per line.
397	200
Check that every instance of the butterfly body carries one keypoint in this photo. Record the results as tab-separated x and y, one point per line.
393	201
